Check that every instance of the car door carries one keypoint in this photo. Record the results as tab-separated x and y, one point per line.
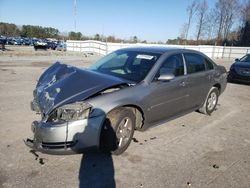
198	79
167	98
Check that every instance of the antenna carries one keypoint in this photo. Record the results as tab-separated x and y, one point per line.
75	14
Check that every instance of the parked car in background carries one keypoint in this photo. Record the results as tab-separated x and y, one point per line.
129	89
52	45
240	70
17	41
27	41
10	41
61	47
40	45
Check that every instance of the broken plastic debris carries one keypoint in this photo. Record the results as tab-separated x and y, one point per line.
34	153
215	166
135	140
41	161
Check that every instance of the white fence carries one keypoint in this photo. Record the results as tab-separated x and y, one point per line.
214	52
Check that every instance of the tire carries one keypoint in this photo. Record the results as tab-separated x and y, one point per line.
211	101
117	131
229	78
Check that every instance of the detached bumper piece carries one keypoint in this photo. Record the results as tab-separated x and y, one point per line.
29	142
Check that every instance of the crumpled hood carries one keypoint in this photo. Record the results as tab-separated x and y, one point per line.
62	84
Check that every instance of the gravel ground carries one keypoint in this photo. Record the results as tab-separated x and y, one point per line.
192	151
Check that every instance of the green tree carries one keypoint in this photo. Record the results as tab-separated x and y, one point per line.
75	35
111	39
39	32
7	29
135	39
97	37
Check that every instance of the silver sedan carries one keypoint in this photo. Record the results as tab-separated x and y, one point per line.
129	89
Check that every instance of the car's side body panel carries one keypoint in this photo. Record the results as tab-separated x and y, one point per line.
165	99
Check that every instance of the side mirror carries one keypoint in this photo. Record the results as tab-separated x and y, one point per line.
237	59
166	77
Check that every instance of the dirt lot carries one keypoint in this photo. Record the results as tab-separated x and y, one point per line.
192	151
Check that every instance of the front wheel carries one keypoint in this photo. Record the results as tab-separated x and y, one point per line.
211	101
117	131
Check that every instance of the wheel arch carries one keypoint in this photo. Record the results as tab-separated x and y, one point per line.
139	114
218	86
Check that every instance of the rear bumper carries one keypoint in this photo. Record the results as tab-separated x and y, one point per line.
66	138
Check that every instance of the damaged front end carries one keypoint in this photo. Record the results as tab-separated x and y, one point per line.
69	124
68	129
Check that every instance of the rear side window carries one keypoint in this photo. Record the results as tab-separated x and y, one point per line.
209	64
195	63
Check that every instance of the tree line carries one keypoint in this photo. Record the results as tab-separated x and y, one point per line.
11	30
31	31
79	36
227	23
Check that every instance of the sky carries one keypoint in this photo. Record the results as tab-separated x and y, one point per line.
151	20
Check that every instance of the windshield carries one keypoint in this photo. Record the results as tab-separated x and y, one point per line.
246	58
129	65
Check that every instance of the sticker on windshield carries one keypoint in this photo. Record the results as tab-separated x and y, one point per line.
143	56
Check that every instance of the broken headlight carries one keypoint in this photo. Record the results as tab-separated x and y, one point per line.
72	112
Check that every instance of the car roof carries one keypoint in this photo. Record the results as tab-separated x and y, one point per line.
160	50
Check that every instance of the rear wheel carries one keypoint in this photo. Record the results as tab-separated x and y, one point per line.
117	131
211	101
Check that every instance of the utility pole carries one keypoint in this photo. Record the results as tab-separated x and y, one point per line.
75	14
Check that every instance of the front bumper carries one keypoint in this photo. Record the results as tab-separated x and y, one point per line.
66	138
233	76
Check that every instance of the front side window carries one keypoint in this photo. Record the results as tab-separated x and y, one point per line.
172	65
195	63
